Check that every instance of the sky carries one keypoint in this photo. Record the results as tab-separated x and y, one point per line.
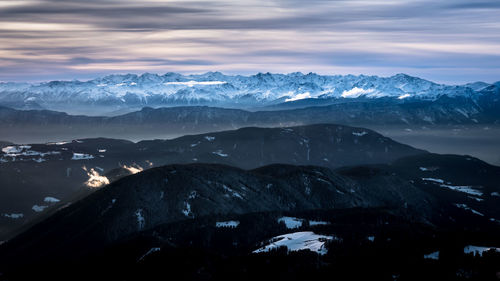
447	41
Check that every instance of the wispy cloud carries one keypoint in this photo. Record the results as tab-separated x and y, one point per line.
447	41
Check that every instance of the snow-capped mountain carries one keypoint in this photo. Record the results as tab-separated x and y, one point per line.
130	91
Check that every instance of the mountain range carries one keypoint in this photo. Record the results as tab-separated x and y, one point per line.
123	93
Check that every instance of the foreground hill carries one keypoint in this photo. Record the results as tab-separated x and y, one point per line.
35	176
200	216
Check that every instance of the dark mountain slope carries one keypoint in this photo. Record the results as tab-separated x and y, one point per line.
466	189
462	182
59	170
167	216
180	192
322	145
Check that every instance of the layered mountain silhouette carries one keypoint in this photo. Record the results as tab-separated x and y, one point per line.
30	173
147	123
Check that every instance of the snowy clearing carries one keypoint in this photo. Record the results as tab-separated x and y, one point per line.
298	241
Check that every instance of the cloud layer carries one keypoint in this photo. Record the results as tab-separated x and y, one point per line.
447	41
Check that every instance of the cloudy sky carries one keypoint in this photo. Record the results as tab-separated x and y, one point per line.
450	41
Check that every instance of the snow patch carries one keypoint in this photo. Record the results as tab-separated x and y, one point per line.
298	241
428	169
81	156
133	169
13	149
14	215
302	96
479	250
38	208
404	96
230	224
25	154
359	134
315	223
231	191
50	200
219	152
193	83
433	180
152	250
432	256
291	222
324	181
95	179
465	207
209	138
465	188
356	92
187	209
193	194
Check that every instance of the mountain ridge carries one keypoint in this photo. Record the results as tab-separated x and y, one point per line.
29	173
114	92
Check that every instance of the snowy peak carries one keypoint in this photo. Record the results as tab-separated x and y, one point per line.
121	91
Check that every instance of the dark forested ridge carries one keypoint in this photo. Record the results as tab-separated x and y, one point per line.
383	218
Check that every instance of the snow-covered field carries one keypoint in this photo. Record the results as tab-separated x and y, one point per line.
298	241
